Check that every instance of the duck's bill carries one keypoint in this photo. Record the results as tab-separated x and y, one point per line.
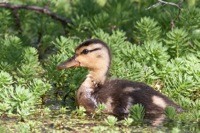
68	64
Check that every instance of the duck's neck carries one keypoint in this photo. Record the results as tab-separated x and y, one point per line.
95	78
98	76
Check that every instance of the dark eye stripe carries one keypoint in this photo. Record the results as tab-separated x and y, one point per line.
85	51
94	49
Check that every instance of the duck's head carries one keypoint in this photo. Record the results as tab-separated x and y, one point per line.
93	54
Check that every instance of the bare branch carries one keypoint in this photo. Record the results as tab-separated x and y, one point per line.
36	9
17	20
168	3
154	5
161	2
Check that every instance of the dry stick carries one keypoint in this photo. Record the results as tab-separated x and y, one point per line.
14	9
161	2
178	15
17	20
168	3
36	9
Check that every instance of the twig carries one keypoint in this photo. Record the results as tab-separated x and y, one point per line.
161	2
168	3
177	16
17	20
36	9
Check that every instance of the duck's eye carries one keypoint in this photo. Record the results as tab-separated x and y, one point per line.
85	51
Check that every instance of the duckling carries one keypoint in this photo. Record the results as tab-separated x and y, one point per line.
117	95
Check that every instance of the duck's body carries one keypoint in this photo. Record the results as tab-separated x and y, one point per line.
117	95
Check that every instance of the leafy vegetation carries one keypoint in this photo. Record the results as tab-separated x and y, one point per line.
137	113
170	112
158	45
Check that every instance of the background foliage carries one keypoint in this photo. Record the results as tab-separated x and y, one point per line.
145	46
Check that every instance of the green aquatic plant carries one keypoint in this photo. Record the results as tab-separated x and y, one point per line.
128	121
177	41
110	120
147	29
19	99
99	110
176	130
170	112
4	108
99	129
23	127
63	110
79	112
149	46
39	88
137	113
46	111
5	80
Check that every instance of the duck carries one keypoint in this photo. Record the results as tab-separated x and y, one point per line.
118	95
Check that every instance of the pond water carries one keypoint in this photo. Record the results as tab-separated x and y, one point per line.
56	122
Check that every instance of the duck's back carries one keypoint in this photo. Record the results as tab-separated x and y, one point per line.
120	95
